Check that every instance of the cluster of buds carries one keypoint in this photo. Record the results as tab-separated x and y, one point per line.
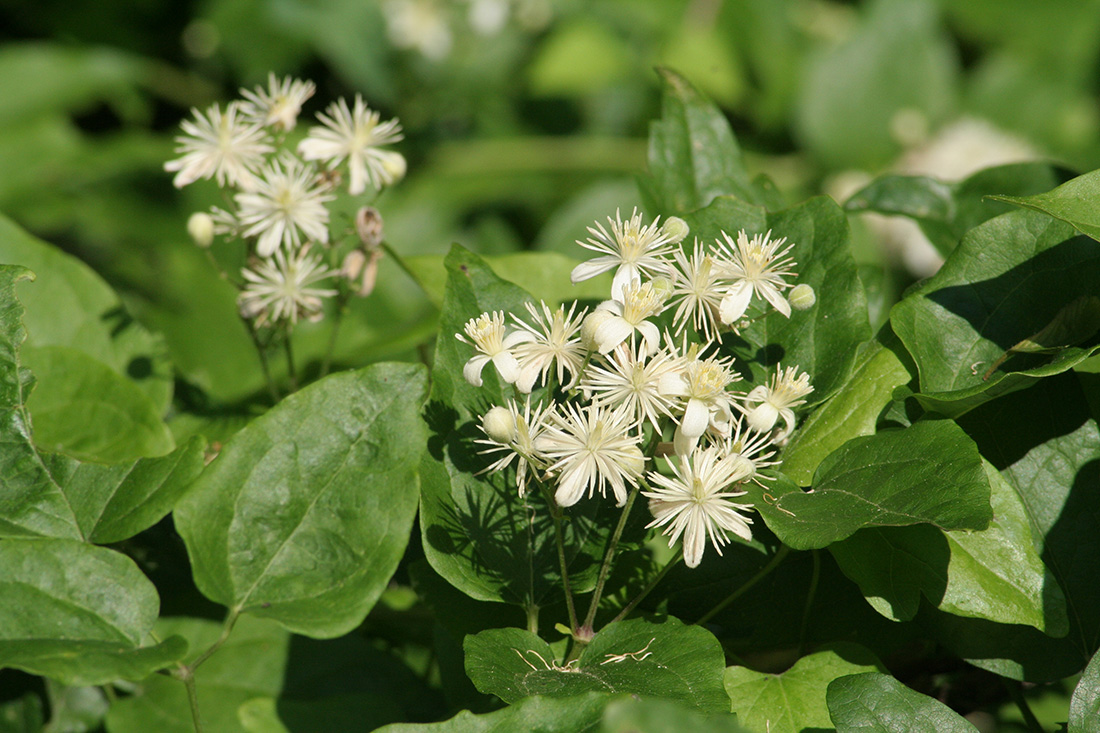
643	375
279	188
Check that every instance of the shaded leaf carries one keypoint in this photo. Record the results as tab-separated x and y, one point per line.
795	699
658	658
878	703
78	614
995	574
1074	202
545	714
306	511
929	473
1084	706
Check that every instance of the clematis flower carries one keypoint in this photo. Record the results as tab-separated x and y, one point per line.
786	390
513	433
614	321
695	502
631	249
357	135
697	291
625	377
701	384
756	266
277	289
486	333
286	207
220	145
277	106
555	339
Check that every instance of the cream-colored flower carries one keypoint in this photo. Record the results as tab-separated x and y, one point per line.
589	448
488	335
623	377
614	321
630	248
697	291
277	289
555	338
701	384
787	389
695	501
220	145
357	135
757	266
286	207
513	433
280	104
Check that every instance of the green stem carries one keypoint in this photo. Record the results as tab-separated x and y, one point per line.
763	573
652	584
809	601
338	319
188	678
288	348
1015	690
261	350
559	537
533	618
605	568
227	628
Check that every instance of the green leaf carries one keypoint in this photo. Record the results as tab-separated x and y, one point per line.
477	532
929	473
545	275
795	699
1047	446
78	614
853	411
1075	202
251	663
1084	706
822	341
946	210
877	703
75	708
657	658
306	512
70	305
693	155
898	61
995	574
1008	279
85	409
544	714
23	715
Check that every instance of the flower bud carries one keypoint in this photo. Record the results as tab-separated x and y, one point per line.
352	266
368	225
675	229
393	164
588	329
499	424
201	228
763	417
662	288
802	297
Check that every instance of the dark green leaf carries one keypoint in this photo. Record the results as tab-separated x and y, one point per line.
945	210
1047	446
23	715
543	714
1008	279
477	531
1084	706
85	409
853	411
794	700
657	658
1075	202
877	703
929	473
78	614
250	664
306	512
995	574
693	155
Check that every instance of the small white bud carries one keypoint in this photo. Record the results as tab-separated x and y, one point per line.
662	288
368	225
499	425
394	165
675	229
353	264
763	417
802	297
588	329
201	228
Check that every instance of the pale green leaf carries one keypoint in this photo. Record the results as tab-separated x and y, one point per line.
1076	202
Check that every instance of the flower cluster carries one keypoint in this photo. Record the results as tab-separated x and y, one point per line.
279	187
645	374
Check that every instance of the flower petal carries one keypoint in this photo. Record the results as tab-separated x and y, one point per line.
736	302
696	418
591	268
507	366
773	296
472	370
610	333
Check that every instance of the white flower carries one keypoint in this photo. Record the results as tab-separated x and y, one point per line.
277	288
487	335
286	205
631	248
513	433
419	24
756	266
701	383
697	292
554	338
279	105
224	146
627	379
755	449
614	321
695	501
589	448
788	389
356	134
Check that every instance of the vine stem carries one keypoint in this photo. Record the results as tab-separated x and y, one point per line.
288	348
559	536
652	584
261	351
1015	690
809	601
763	573
187	675
605	568
337	320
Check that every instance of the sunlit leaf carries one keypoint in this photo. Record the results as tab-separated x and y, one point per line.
872	702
